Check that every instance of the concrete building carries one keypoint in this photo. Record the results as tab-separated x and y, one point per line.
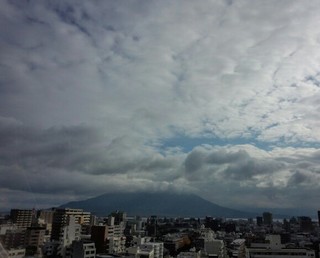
238	248
45	217
144	248
156	249
273	248
49	249
61	219
118	217
305	224
35	236
16	253
190	254
267	218
3	252
214	248
83	249
68	234
145	253
99	235
116	245
14	238
109	239
259	221
21	218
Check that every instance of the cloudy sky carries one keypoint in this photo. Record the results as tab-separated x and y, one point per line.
217	98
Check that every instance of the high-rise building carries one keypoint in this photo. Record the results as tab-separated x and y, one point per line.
21	218
119	216
14	238
68	234
35	236
61	218
108	239
305	224
267	218
99	235
45	217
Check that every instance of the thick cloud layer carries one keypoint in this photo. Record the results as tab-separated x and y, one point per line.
93	92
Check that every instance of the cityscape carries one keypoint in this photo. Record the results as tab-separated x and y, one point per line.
76	233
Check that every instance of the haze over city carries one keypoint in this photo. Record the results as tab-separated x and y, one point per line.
216	98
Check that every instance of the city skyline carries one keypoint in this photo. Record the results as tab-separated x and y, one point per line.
216	98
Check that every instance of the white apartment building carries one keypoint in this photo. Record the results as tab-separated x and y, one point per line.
238	248
116	239
61	218
207	233
157	248
214	248
144	248
146	252
68	234
116	244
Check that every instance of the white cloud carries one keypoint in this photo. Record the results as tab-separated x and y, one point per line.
126	75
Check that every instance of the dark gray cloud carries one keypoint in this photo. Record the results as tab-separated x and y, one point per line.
76	160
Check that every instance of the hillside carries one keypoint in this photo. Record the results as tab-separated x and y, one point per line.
161	204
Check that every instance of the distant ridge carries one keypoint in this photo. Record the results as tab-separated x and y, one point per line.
162	204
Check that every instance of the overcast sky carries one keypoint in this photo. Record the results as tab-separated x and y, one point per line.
217	98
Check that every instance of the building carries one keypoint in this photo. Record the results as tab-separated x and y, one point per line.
5	227
3	252
305	224
156	249
21	218
259	221
267	218
35	236
45	217
61	219
109	239
14	238
99	235
146	252
50	248
214	248
190	254
83	249
273	248
118	217
68	234
238	248
16	253
142	247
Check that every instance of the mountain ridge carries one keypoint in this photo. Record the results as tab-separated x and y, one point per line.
162	204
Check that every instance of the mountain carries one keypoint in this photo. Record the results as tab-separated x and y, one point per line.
162	204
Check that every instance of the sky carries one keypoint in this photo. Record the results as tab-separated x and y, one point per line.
218	98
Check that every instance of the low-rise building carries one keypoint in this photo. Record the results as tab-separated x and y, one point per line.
273	248
83	249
